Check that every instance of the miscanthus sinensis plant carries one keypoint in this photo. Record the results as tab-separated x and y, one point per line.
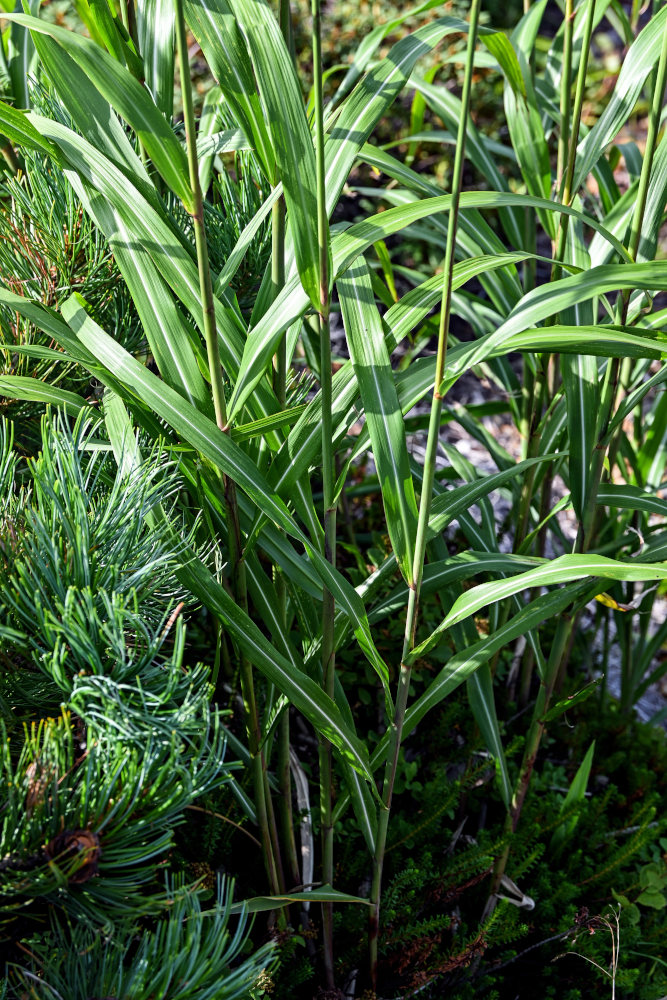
564	269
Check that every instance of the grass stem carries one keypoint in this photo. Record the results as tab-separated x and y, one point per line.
566	192
229	489
205	283
328	485
565	91
396	726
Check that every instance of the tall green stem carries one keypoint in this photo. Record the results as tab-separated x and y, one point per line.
567	193
205	283
328	484
280	389
229	490
565	90
567	155
396	726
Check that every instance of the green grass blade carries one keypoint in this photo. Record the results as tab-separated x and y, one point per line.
171	339
259	428
208	133
634	398
464	663
49	322
524	36
360	795
108	28
654	209
304	693
92	115
575	795
19	130
216	29
447	505
35	391
617	220
630	498
266	604
142	237
551	299
502	49
363	805
529	143
475	238
155	31
653	454
384	419
563	569
20	56
232	140
290	304
264	904
221	451
580	379
292	141
443	573
245	239
483	707
194	426
359	237
301	447
447	106
413	383
128	98
373	96
600	341
637	64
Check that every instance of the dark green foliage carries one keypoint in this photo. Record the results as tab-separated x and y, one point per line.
93	792
190	955
438	870
296	968
92	809
86	571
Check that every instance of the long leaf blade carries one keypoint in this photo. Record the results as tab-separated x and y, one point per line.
637	65
580	378
216	29
35	391
483	707
346	247
384	418
128	98
563	569
292	141
155	30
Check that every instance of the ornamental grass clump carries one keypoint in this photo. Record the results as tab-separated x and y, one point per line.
547	294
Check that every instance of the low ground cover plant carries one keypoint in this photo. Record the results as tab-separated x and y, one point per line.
254	322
